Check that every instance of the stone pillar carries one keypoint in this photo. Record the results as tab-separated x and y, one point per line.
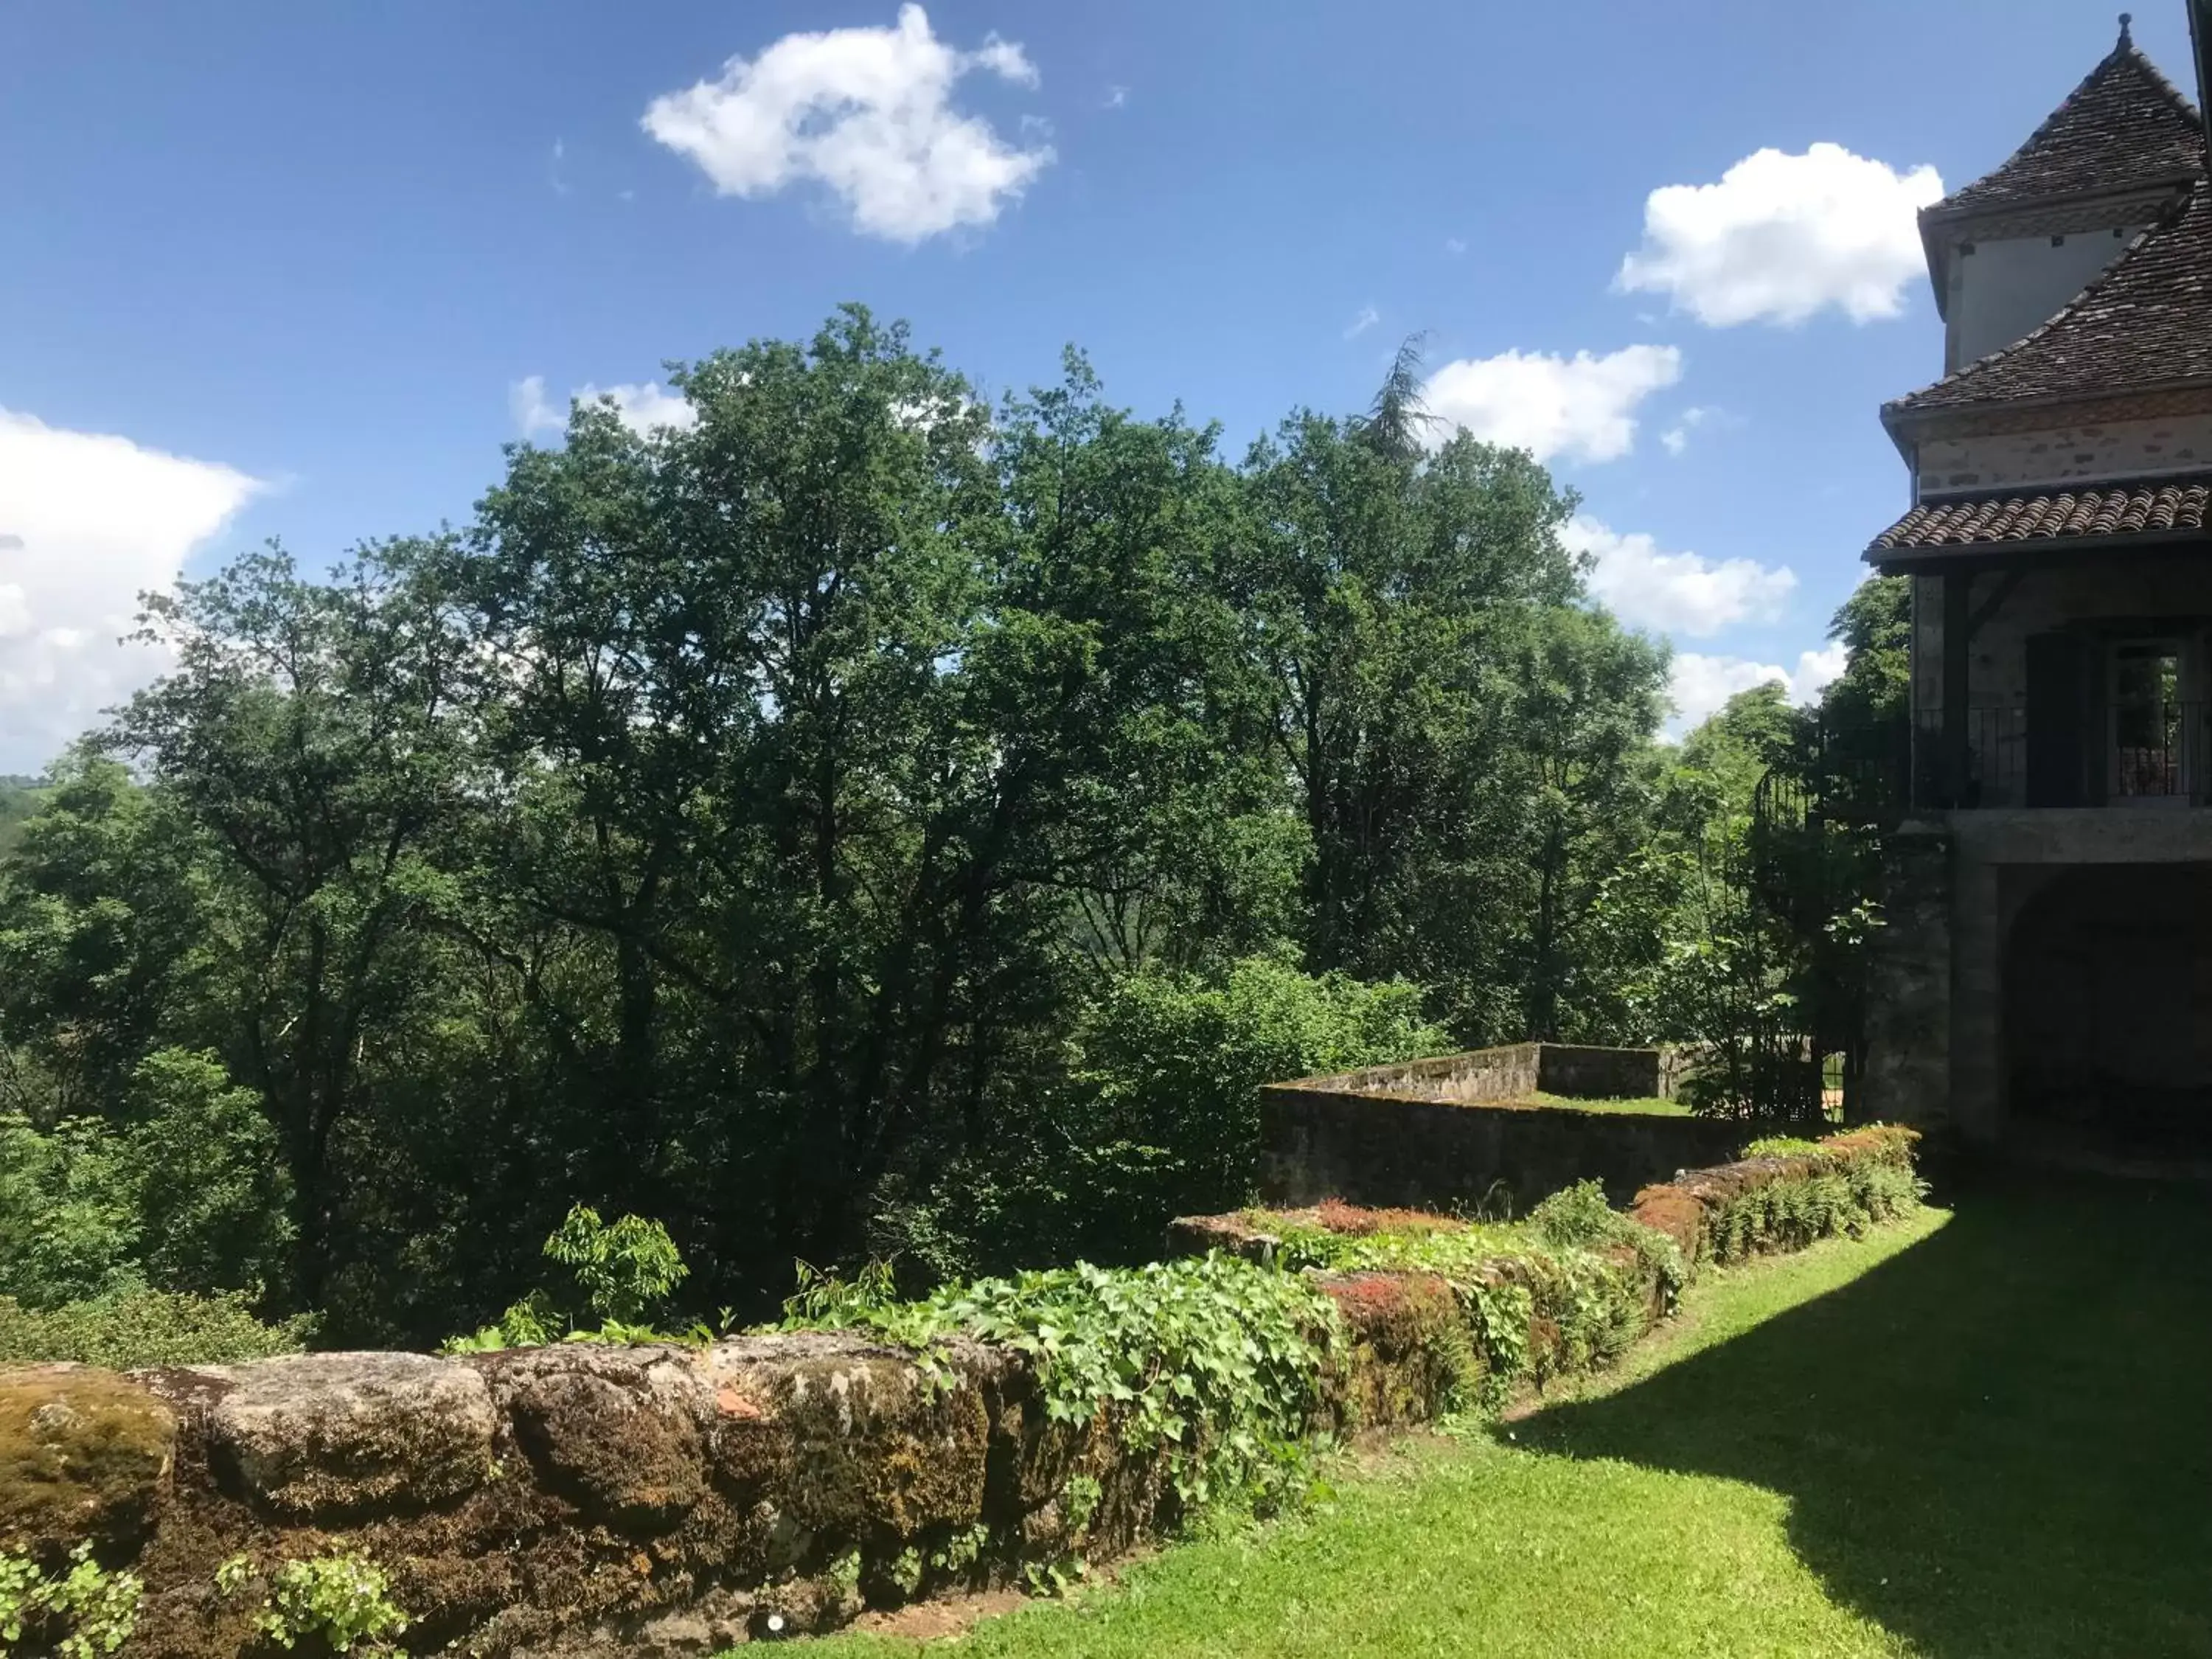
1908	1000
1958	592
1977	1002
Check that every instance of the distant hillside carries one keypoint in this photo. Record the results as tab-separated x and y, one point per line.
20	797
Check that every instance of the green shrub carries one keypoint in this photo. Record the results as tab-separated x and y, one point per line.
1156	1115
622	1271
341	1601
1212	1363
1552	1267
85	1611
68	1226
229	1225
1579	1218
88	1209
128	1329
1781	1146
1852	1194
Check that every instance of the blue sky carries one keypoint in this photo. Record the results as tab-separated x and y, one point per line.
276	270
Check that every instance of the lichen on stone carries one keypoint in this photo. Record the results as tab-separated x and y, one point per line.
83	1455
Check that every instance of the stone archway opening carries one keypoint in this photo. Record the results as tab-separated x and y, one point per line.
2107	980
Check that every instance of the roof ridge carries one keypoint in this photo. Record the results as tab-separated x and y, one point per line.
2124	56
2158	79
2163	226
2127	51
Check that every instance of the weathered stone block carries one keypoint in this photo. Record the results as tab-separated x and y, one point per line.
327	1435
624	1432
864	1437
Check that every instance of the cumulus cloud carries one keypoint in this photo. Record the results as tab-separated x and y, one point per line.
1676	438
1454	245
88	522
1578	408
642	408
867	113
1780	238
1702	683
1676	593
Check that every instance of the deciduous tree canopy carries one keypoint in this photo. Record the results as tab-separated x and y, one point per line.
861	822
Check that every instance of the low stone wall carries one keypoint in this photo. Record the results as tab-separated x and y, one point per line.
1514	1073
578	1501
1390	1150
571	1501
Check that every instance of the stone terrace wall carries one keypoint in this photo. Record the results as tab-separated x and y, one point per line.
1391	1150
1514	1073
580	1501
1586	1074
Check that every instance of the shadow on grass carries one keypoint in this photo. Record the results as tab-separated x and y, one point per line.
1998	1443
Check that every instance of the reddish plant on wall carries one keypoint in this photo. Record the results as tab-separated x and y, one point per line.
1353	1221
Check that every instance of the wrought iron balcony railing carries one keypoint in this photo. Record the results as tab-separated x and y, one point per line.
2142	754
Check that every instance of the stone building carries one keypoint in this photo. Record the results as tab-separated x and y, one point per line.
2046	975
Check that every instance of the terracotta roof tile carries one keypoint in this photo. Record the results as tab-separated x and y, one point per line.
2099	510
2147	321
2126	126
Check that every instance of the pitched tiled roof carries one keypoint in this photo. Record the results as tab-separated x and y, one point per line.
2147	321
2124	127
2099	512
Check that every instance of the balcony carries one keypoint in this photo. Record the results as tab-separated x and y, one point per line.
2140	754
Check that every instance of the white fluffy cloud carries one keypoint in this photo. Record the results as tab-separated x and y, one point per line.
1579	408
1783	237
1676	438
1702	683
88	522
641	407
868	114
1676	593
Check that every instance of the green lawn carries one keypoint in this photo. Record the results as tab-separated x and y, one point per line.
1653	1105
1988	1433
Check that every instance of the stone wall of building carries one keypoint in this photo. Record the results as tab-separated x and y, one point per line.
1907	1076
2050	460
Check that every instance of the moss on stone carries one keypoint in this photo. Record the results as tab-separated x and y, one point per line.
875	1443
632	1457
84	1454
1409	1353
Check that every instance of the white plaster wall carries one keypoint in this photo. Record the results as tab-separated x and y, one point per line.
2004	290
2065	455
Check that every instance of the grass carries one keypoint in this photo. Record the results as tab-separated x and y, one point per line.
1983	1433
1651	1106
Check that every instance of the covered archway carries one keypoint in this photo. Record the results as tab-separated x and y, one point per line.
2107	982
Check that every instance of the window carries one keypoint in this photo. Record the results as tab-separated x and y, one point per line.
2146	726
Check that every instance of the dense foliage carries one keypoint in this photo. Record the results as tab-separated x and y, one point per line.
1214	1364
83	1612
861	822
124	1330
1850	1186
1580	1268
